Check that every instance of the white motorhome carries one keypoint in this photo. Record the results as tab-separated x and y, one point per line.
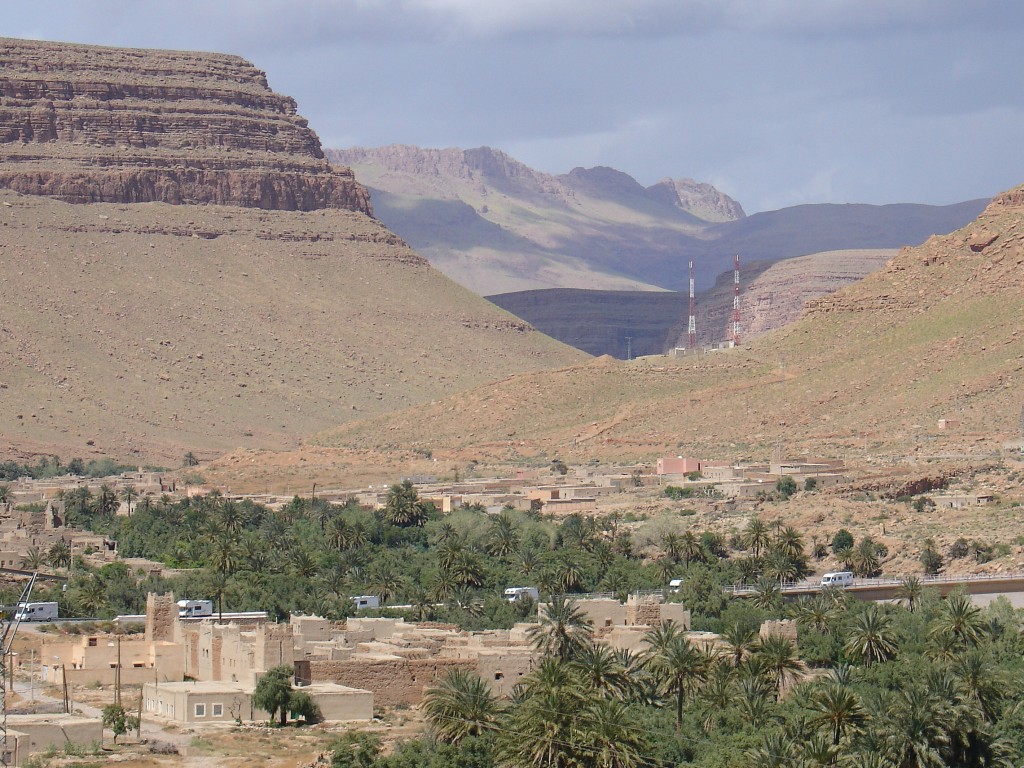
837	579
675	585
512	594
36	612
188	609
366	601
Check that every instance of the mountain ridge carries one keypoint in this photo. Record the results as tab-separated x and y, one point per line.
212	308
870	370
599	228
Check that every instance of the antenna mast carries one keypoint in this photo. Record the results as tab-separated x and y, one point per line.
736	300
9	630
691	331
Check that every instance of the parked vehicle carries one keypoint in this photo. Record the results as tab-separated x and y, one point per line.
190	609
366	601
512	594
837	579
36	612
675	585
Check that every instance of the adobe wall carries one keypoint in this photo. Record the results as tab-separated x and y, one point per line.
784	627
644	610
392	681
161	616
502	669
45	731
274	645
674	612
604	612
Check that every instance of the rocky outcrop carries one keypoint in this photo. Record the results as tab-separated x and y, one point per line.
90	124
702	200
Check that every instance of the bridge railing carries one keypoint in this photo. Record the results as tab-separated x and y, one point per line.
809	585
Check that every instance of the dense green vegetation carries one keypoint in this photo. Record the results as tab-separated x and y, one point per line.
312	556
929	682
53	466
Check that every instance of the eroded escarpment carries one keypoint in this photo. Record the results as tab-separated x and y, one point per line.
91	124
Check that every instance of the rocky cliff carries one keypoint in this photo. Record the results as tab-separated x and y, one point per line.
91	124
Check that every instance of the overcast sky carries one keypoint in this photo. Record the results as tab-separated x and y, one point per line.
775	102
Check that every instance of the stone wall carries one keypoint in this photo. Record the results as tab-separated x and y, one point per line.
161	616
784	627
392	681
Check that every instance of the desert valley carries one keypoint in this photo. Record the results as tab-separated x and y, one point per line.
393	457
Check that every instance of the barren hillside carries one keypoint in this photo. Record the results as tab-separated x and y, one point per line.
937	333
151	325
623	323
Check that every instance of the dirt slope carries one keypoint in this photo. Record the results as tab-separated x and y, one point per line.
938	333
154	329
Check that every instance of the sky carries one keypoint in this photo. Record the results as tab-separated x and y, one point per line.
775	102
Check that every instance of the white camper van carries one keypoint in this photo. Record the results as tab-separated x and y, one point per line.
36	612
188	609
363	602
675	585
837	579
512	594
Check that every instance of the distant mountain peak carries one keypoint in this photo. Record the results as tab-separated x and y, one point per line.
699	198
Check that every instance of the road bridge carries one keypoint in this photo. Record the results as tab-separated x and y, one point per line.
887	588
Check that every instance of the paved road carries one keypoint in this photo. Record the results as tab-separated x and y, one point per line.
984	589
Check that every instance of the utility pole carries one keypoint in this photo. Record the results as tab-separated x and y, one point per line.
629	347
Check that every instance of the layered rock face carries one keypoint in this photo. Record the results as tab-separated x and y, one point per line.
89	124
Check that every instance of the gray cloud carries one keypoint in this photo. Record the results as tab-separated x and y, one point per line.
777	101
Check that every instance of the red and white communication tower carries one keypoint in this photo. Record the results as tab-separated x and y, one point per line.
736	300
691	329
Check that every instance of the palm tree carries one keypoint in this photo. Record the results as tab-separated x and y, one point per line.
910	593
106	502
461	705
385	581
756	536
960	619
601	669
814	613
790	543
608	737
91	596
718	694
767	594
742	640
775	751
59	555
870	637
466	569
781	660
5	493
303	564
34	559
982	684
691	548
544	723
672	543
502	537
678	664
129	495
917	729
569	572
838	709
403	507
563	629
